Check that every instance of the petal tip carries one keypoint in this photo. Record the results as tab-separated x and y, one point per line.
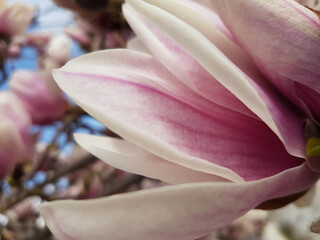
81	138
48	211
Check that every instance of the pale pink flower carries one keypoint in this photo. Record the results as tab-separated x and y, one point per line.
14	19
93	38
14	51
78	35
16	43
221	102
39	40
36	91
15	139
59	49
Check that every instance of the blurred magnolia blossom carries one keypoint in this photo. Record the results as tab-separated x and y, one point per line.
14	51
14	19
55	52
14	48
15	139
39	40
37	90
99	24
34	89
93	39
78	35
212	96
102	15
59	48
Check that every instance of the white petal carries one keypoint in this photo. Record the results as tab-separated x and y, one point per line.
129	157
181	212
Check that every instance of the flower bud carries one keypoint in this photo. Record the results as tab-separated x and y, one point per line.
33	90
38	40
15	140
59	49
14	19
78	35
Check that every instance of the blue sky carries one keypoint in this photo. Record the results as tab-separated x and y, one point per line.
50	18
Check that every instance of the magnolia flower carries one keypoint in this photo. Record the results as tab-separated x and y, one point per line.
16	43
99	24
59	49
15	140
78	35
219	97
14	19
37	91
39	40
100	15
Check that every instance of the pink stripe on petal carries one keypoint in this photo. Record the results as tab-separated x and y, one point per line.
181	212
163	125
282	36
181	64
130	158
256	92
128	63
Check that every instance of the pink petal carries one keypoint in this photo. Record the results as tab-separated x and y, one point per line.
180	64
310	98
202	8
181	212
115	93
12	148
137	45
14	110
30	87
130	158
286	48
244	82
59	49
14	19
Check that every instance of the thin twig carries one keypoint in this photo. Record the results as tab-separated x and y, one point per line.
74	113
64	170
